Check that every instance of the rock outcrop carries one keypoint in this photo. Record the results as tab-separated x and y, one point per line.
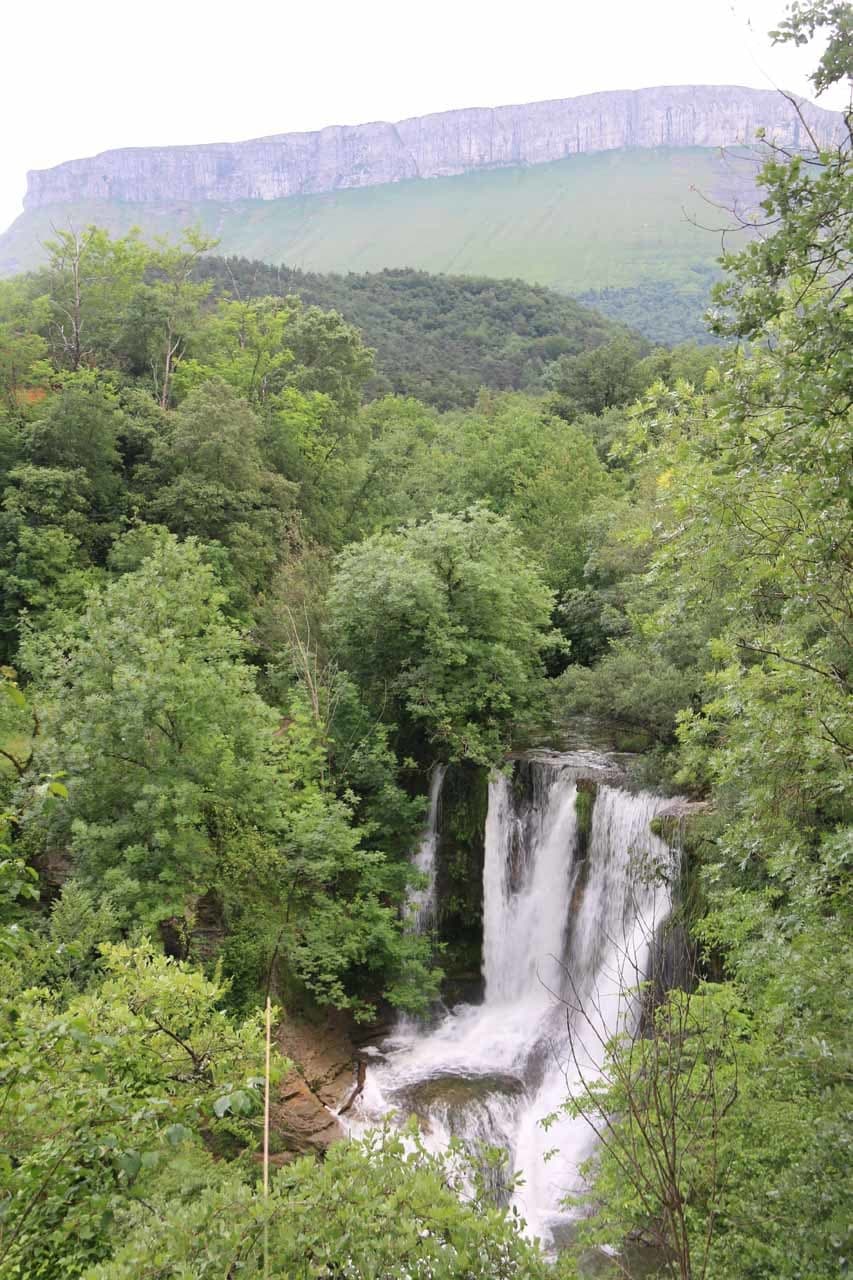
440	145
324	1074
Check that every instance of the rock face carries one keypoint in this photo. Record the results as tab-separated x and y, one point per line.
440	145
325	1071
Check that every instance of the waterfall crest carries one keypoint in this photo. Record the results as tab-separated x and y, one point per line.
562	932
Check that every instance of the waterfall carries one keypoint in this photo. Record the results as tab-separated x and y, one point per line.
527	873
421	902
562	932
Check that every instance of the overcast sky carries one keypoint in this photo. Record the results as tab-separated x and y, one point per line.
80	76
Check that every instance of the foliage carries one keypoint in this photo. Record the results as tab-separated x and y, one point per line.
377	1208
638	690
438	338
181	782
251	613
100	1094
664	312
152	715
658	1108
509	452
442	624
88	283
741	502
599	380
608	221
208	480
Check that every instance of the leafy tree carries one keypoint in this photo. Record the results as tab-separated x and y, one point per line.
88	283
443	624
597	380
102	1094
322	897
749	535
208	480
244	343
508	453
182	783
374	1208
164	311
437	338
151	712
633	687
330	358
79	432
658	1108
44	565
23	368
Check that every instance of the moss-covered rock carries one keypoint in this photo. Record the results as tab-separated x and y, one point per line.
688	826
459	871
584	805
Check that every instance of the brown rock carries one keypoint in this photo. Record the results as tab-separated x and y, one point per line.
324	1053
299	1120
322	1079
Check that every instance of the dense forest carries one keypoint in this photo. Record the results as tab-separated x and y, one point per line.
661	311
248	600
437	338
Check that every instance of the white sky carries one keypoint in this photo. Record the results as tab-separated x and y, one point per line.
80	76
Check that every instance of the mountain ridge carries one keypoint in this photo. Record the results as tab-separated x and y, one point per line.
441	144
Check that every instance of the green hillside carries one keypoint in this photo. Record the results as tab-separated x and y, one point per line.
612	221
439	338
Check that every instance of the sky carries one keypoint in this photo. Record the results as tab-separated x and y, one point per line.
82	76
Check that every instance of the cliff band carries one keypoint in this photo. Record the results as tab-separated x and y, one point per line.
440	145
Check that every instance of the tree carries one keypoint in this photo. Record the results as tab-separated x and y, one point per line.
164	310
749	539
184	784
89	281
442	624
508	452
152	714
598	380
330	358
379	1207
79	432
245	344
102	1096
44	565
657	1104
208	480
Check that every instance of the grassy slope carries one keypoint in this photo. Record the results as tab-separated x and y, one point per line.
589	222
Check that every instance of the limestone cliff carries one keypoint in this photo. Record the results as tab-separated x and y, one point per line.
440	145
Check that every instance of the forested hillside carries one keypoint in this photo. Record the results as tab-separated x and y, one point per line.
437	338
246	609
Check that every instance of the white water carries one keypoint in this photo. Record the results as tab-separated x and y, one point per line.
421	902
559	935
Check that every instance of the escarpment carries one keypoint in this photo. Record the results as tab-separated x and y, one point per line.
341	157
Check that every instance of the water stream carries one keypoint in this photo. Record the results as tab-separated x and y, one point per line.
568	923
421	901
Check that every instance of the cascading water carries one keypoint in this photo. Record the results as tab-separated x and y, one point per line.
566	940
421	901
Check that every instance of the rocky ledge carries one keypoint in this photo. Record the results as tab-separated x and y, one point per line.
440	145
